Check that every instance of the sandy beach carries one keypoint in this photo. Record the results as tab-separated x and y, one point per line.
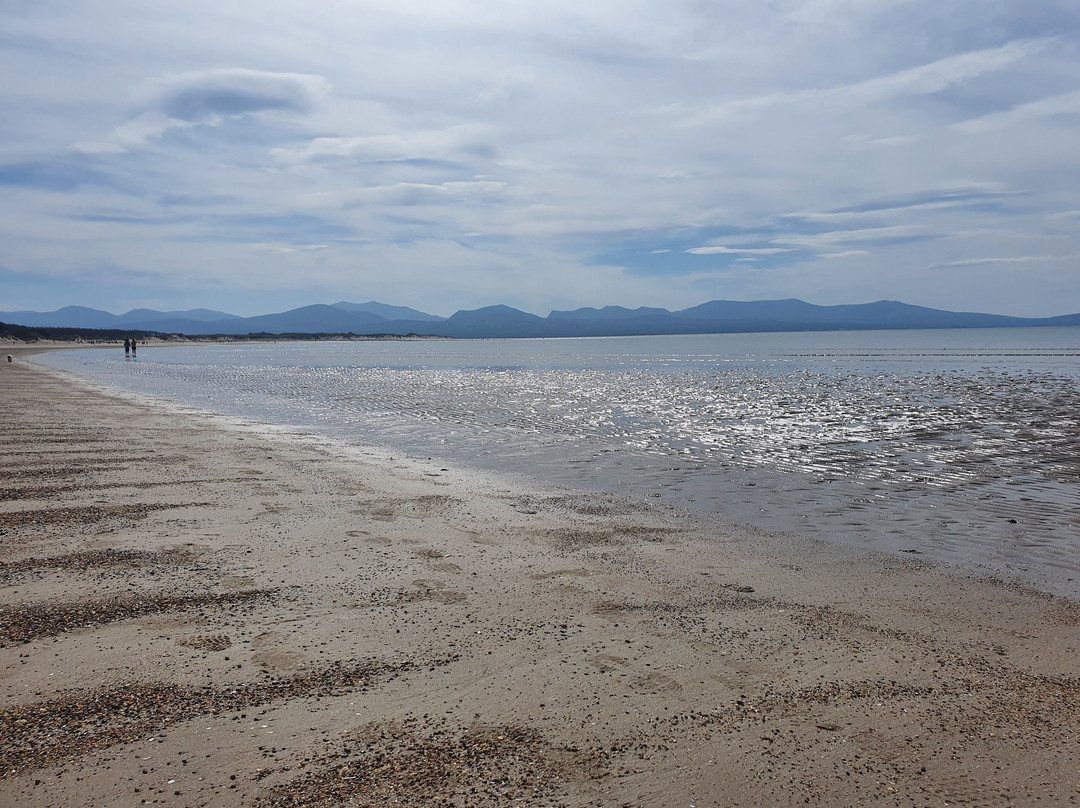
195	612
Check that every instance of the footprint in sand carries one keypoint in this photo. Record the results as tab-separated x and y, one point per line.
655	683
278	660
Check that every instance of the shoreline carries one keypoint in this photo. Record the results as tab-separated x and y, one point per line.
200	615
950	506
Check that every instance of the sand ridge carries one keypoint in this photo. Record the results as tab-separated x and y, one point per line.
194	613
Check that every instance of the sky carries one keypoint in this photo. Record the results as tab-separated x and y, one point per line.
253	157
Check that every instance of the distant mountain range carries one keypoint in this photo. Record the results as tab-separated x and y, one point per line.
371	318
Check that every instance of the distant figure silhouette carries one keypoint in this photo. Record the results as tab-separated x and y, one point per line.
134	344
127	346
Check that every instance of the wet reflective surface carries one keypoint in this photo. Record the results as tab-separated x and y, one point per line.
960	446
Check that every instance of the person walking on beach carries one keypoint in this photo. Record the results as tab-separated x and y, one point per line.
134	344
127	346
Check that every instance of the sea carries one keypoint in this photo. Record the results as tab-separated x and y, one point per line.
960	447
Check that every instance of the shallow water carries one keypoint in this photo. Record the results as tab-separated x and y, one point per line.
961	446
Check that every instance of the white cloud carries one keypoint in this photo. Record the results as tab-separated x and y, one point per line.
287	248
1063	104
408	193
1021	259
864	141
737	250
139	130
921	80
845	254
430	144
872	234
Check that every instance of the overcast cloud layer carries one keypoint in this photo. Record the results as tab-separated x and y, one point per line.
255	157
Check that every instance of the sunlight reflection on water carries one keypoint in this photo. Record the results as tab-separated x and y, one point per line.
958	445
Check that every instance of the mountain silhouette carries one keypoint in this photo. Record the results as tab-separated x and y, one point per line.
500	321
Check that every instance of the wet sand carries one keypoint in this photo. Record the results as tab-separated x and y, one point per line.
194	612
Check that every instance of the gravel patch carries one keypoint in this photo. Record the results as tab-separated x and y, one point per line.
27	622
41	734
